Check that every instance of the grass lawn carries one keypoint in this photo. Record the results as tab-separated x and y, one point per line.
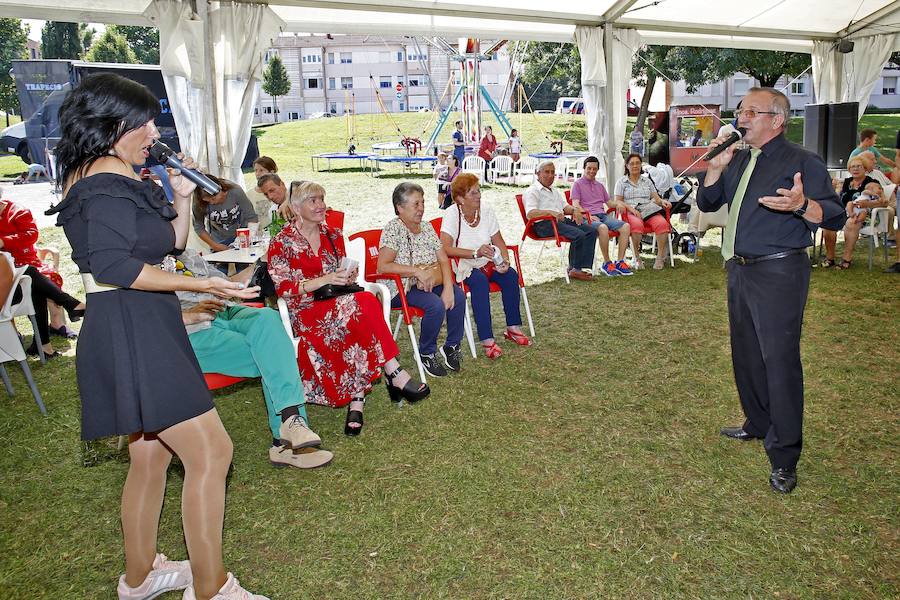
586	466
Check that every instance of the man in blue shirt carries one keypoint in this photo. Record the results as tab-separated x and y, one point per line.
459	144
778	194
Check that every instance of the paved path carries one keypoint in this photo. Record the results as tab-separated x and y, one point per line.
37	197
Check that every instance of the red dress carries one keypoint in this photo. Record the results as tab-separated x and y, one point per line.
344	341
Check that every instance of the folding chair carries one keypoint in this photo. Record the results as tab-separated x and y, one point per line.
10	344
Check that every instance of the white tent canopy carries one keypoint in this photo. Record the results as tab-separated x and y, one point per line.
811	26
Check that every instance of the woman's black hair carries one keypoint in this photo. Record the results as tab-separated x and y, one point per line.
402	192
629	157
99	111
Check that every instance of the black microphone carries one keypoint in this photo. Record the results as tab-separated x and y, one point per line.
166	156
736	135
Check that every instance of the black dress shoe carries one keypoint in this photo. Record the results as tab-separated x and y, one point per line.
783	480
737	433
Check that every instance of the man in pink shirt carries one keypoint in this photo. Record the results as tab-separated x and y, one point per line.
590	196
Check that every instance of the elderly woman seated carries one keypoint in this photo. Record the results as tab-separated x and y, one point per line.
850	189
644	210
471	233
412	250
858	211
242	341
344	339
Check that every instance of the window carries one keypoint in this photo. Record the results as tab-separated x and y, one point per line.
400	56
267	110
293	116
346	58
415	57
331	58
312	58
400	80
313	83
414	82
889	85
270	53
798	88
331	83
346	83
384	82
402	106
256	111
332	108
741	87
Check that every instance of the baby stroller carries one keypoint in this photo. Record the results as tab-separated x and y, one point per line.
679	194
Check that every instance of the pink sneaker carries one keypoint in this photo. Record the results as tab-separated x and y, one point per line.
166	576
232	590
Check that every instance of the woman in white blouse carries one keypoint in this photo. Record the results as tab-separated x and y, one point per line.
470	232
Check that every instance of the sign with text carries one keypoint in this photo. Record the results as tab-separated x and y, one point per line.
691	129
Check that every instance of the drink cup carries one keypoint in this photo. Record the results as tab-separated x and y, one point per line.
243	237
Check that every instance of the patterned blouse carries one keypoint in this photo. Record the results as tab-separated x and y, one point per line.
412	248
635	194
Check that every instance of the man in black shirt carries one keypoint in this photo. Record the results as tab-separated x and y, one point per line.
778	194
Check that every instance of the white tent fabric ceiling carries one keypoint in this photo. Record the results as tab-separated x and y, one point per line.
773	24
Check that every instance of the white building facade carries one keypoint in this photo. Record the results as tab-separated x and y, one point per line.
340	73
727	93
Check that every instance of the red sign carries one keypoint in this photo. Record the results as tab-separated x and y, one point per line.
399	87
691	128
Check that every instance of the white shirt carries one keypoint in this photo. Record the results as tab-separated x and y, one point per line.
515	145
472	238
538	197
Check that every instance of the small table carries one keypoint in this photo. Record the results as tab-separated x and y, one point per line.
238	256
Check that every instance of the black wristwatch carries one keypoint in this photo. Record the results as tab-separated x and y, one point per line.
802	210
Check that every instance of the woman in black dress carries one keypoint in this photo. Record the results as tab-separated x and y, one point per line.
137	374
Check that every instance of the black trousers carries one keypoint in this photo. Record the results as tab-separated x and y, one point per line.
765	314
42	289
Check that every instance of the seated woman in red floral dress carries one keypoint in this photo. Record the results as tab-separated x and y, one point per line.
344	341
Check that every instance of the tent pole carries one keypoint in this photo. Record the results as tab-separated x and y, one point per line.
211	118
608	148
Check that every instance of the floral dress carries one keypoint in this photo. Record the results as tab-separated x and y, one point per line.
344	341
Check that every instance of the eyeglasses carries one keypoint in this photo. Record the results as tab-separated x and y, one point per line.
751	114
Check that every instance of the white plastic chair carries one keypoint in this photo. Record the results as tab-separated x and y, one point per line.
501	166
356	249
525	167
878	226
474	165
10	343
574	169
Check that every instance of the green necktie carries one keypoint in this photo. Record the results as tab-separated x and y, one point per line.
734	211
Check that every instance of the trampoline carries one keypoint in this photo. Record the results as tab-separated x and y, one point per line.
407	162
329	156
551	155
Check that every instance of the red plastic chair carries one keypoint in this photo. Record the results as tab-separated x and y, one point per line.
372	238
334	218
494	288
556	237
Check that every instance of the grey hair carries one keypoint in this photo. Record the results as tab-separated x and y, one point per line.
543	164
780	102
402	193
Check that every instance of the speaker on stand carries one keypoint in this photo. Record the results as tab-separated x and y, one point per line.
815	129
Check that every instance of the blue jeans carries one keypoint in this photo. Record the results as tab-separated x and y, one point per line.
431	303
479	287
583	240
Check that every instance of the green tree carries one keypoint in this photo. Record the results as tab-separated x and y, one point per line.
143	40
111	47
62	40
275	81
766	66
551	70
13	40
87	35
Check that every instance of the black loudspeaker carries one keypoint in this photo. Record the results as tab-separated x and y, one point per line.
842	133
815	129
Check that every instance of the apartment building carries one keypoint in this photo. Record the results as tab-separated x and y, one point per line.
727	93
334	74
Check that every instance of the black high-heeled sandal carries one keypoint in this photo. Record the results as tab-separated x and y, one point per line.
412	391
354	417
75	314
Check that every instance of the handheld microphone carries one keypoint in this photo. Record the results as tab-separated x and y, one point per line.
166	156
735	135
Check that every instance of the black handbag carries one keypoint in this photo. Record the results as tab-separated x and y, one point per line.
333	290
262	278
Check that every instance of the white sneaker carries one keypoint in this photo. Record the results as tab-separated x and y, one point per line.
166	576
295	433
232	590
